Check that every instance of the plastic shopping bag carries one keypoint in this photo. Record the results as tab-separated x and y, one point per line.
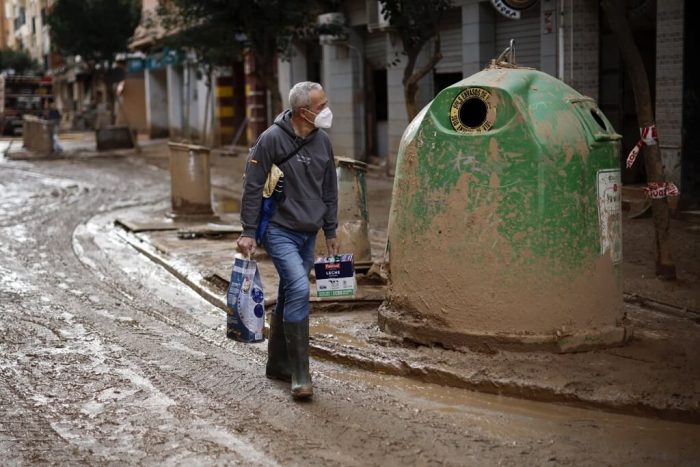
267	210
245	302
273	195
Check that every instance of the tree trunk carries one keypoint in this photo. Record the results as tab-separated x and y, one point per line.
411	77
409	95
617	18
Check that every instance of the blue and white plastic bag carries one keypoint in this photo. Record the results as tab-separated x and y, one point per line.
245	301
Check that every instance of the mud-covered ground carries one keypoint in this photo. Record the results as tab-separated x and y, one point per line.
106	360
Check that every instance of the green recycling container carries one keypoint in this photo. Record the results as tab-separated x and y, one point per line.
505	223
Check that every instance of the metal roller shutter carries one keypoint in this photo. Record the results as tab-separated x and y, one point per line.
450	42
525	31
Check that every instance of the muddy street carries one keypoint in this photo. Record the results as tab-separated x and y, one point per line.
105	357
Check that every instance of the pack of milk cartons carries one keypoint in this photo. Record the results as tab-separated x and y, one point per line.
335	276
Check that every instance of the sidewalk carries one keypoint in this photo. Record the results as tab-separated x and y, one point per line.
78	144
656	374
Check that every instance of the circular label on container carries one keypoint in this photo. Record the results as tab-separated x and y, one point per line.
471	111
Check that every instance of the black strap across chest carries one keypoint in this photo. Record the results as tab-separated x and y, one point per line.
296	149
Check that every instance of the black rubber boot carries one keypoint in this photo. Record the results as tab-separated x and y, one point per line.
297	335
278	366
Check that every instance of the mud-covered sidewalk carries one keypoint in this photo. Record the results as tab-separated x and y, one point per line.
655	374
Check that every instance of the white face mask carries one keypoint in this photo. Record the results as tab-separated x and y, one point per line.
324	119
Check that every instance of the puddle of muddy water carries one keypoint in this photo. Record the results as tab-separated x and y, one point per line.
320	328
509	418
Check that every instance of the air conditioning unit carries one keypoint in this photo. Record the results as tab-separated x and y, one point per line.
376	20
336	23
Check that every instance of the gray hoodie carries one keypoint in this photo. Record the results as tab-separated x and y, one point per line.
310	184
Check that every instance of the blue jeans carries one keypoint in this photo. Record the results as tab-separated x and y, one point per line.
293	255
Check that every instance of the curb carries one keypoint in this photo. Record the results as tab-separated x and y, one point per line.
446	377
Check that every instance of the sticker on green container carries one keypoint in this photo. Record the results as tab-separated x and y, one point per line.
471	111
610	213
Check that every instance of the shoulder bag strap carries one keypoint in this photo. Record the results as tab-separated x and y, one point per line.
295	150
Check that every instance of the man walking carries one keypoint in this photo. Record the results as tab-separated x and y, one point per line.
299	145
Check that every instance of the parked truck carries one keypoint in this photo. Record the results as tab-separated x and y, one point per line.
23	95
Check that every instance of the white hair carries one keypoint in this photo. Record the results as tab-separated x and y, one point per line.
299	94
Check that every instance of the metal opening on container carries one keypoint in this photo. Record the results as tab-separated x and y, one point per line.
598	119
473	112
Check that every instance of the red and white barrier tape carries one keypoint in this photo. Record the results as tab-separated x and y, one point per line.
658	190
649	137
633	154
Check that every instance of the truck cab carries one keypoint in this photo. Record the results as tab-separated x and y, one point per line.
22	95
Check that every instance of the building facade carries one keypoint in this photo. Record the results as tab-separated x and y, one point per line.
167	95
24	27
364	80
568	39
362	74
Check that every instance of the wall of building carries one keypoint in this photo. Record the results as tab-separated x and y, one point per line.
581	46
5	24
29	31
478	36
204	113
175	92
397	120
157	103
291	70
175	103
342	75
669	84
549	19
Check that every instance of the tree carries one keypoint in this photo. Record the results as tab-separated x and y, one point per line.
20	62
616	15
415	23
96	30
267	27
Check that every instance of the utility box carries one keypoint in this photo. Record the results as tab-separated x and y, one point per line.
353	215
505	224
115	137
190	181
37	135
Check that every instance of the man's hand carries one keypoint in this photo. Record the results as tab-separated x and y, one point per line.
246	245
333	246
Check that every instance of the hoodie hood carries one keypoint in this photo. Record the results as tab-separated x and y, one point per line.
285	120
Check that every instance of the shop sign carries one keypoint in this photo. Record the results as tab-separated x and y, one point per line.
165	58
135	65
512	8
